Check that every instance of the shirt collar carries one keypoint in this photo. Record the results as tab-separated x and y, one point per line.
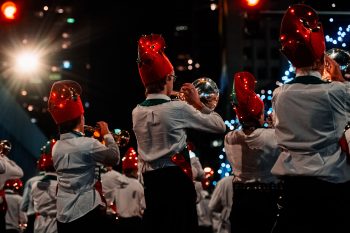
68	136
157	96
309	73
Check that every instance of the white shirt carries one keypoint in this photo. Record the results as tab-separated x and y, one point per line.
14	216
221	202
252	156
112	180
130	199
203	212
27	200
8	170
44	198
310	119
75	159
161	129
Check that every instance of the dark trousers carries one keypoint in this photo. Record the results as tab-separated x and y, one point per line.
130	225
254	207
2	222
92	222
170	202
30	224
12	231
311	205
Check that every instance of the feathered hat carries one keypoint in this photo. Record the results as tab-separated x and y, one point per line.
301	35
129	161
247	105
13	184
64	102
153	64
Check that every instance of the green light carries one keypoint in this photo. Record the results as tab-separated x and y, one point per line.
70	20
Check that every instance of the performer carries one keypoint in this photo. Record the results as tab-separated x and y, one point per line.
8	170
160	127
252	151
112	180
15	218
220	205
311	115
130	199
43	193
80	202
27	204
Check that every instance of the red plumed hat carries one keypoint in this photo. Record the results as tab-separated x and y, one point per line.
45	162
248	106
13	184
129	160
153	64
64	102
301	36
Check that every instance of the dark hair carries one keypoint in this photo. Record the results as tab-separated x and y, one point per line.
68	126
156	87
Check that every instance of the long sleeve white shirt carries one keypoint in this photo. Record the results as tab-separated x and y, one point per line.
8	170
130	199
160	130
75	159
14	216
311	116
252	156
44	197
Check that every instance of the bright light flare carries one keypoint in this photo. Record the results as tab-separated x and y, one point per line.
27	62
9	10
252	3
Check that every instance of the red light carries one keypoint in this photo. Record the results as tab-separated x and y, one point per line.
252	3
9	10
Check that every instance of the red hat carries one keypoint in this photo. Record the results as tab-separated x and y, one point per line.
248	106
64	101
13	184
45	162
153	64
302	36
129	160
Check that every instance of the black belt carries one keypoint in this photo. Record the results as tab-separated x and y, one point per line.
256	186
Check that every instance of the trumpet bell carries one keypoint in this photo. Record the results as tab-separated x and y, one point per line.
121	137
342	57
208	91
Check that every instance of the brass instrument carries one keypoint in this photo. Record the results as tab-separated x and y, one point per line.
207	90
342	57
121	137
5	147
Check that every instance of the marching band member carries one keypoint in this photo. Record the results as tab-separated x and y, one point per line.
160	127
252	151
27	204
111	180
8	170
311	115
15	218
130	199
80	202
220	205
43	193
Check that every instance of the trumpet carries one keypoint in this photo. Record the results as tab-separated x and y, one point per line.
207	90
121	137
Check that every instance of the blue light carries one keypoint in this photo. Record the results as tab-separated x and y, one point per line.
286	72
343	44
340	29
335	42
331	20
221	156
67	65
269	92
